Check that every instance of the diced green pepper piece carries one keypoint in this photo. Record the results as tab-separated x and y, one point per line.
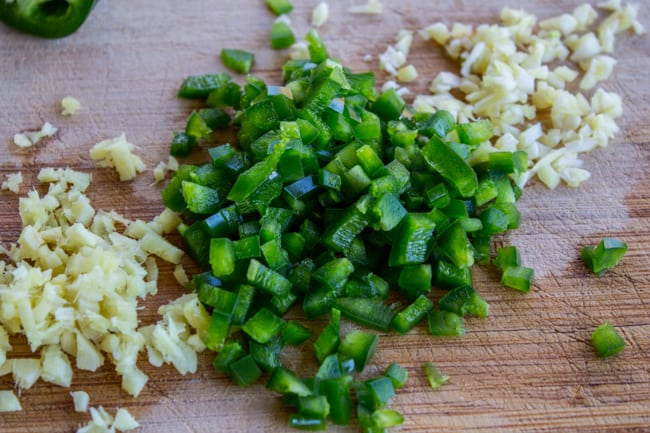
474	133
360	346
182	144
370	161
263	326
314	406
518	277
376	393
231	352
339	235
245	371
214	118
245	296
607	341
196	126
279	7
267	356
455	246
413	314
446	323
397	374
464	300
281	35
285	381
414	280
605	256
439	123
267	279
449	275
237	60
370	312
317	49
338	396
247	247
328	341
507	256
200	86
217	331
294	334
441	157
387	212
384	418
200	199
334	274
412	238
222	257
435	378
276	257
388	106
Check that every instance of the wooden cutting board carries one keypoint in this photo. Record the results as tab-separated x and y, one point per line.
528	367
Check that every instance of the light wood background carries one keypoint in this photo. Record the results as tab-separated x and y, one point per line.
529	367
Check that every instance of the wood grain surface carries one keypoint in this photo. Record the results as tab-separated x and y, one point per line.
529	367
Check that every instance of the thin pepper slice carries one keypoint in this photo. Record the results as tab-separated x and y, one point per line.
46	18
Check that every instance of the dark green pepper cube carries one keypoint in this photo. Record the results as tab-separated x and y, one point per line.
339	398
200	86
276	257
231	352
228	95
454	244
494	221
267	356
214	118
370	162
245	371
294	334
245	295
263	326
464	300
438	196
388	106
414	280
411	240
280	305
334	274
182	144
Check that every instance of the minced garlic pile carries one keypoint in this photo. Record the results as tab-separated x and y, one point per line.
73	285
513	72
